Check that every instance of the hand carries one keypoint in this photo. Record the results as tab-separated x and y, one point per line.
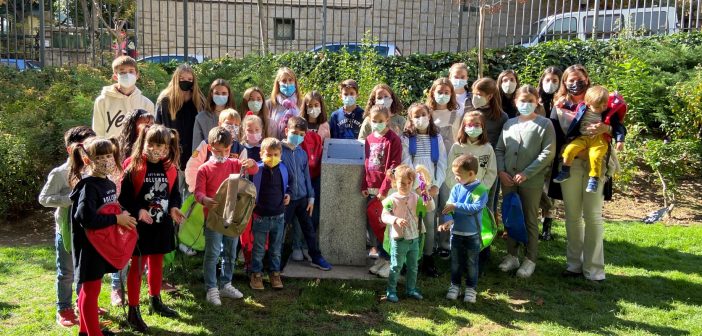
209	203
127	221
520	178
506	179
401	222
286	199
560	102
448	208
381	197
598	128
433	191
177	215
248	163
620	146
310	208
364	193
445	227
145	217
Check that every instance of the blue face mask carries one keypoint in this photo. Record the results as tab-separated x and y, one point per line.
526	108
295	139
348	100
287	89
220	100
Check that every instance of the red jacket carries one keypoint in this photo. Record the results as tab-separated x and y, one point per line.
382	153
313	146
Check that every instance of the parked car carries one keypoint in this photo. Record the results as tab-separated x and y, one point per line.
20	64
572	25
383	49
178	58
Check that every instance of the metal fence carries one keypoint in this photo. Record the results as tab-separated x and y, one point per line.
56	32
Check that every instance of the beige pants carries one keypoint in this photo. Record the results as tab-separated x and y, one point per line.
530	198
585	251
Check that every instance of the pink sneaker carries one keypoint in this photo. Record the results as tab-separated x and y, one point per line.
116	297
67	318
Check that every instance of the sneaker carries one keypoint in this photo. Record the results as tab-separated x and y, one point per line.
415	294
527	269
276	281
306	254
379	263
470	295
373	253
509	263
256	281
66	317
562	177
384	272
392	297
570	274
320	263
116	297
228	291
592	184
297	255
453	292
213	297
186	250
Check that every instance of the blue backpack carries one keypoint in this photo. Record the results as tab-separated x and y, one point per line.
257	178
513	217
434	150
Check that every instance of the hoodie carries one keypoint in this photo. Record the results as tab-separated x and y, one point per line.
112	107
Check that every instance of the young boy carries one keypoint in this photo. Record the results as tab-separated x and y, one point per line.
596	99
272	195
117	100
345	123
401	213
301	192
462	210
209	177
56	194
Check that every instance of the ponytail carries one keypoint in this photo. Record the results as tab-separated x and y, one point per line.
75	164
174	149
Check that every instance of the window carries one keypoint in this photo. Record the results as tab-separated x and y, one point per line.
607	26
284	29
650	22
561	28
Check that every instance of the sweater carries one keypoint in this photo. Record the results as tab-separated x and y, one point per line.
346	126
111	108
493	127
204	122
467	214
56	194
276	114
396	124
211	175
271	188
184	123
411	208
423	157
313	145
200	155
295	159
382	152
527	147
487	162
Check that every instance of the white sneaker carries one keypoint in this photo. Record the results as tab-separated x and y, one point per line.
297	255
384	272
187	250
306	254
228	291
213	297
453	292
379	263
509	263
470	295
527	269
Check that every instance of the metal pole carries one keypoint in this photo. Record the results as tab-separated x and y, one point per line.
185	29
324	24
262	29
136	28
594	20
42	35
460	25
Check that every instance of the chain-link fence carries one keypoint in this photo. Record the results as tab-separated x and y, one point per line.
45	32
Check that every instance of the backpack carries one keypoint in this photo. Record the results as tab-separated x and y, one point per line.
237	198
513	217
434	150
488	226
616	105
114	243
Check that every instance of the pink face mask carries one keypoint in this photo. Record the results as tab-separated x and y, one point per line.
254	137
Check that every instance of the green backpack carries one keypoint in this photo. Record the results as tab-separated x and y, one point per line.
488	226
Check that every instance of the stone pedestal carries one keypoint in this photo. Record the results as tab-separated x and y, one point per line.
342	225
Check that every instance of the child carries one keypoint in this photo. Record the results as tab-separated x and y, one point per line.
467	200
524	153
272	195
458	74
55	194
549	83
313	111
383	95
117	100
283	101
209	177
253	101
345	123
150	194
473	140
383	151
442	101
597	146
219	99
508	83
251	138
423	145
301	193
91	194
401	213
137	120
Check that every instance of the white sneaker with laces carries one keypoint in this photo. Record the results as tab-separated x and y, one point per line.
379	263
470	295
527	269
453	292
297	255
213	297
509	263
228	291
384	272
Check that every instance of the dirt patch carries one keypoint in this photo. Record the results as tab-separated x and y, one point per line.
34	228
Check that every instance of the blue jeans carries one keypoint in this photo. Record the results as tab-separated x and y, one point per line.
217	244
274	228
64	276
464	257
403	251
116	278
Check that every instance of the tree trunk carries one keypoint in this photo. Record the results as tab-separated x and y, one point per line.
481	38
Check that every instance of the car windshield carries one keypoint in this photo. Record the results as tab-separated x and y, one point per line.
355	48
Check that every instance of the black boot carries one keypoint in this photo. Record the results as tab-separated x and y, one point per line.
428	267
157	306
546	231
134	319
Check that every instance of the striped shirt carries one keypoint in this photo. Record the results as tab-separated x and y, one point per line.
423	146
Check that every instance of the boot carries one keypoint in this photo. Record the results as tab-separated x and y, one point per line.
428	267
157	306
134	319
546	231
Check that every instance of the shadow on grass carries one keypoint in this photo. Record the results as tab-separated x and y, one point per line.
6	309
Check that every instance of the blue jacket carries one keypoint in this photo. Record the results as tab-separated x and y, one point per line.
467	215
342	127
300	181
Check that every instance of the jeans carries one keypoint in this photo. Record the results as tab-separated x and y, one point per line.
298	241
217	244
119	275
273	227
464	258
64	276
297	209
403	251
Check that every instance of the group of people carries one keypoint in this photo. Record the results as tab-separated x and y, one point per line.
433	171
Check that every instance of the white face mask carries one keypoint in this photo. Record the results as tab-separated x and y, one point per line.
478	101
526	109
508	87
458	83
442	99
421	123
550	87
387	102
473	131
127	80
314	112
255	105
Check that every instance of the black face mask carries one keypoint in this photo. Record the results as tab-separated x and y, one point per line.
576	88
185	85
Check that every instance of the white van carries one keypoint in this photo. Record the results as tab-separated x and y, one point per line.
572	25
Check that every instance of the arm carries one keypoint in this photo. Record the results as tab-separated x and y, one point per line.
545	157
471	208
99	117
252	170
500	151
198	132
333	129
618	129
308	181
394	160
127	197
174	198
365	129
50	195
406	157
324	131
442	165
200	185
160	111
193	164
86	210
491	170
364	183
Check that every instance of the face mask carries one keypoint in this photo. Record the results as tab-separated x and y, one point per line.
287	89
255	105
478	101
314	112
348	100
103	167
386	102
473	132
378	127
295	139
233	130
218	159
550	87
458	83
441	99
271	161
220	100
526	108
154	155
576	88
421	123
126	80
185	85
508	87
253	137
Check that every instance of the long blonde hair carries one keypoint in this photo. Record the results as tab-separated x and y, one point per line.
284	71
175	96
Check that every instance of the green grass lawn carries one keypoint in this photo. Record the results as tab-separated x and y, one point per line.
653	286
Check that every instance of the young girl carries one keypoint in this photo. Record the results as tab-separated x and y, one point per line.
458	74
219	99
401	213
423	145
136	121
383	95
253	101
283	101
383	151
524	153
313	110
90	195
507	83
442	100
150	193
251	137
